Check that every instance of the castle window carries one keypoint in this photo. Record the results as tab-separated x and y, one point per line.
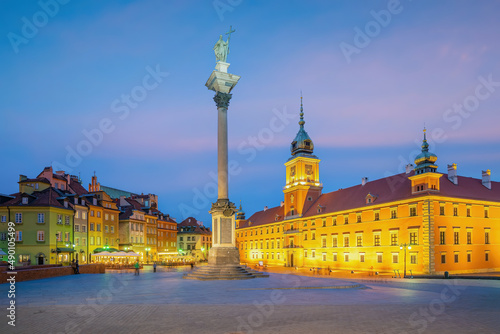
361	257
468	211
346	241
395	257
358	217
346	220
359	241
377	215
334	241
376	240
334	220
442	237
394	238
414	238
441	210
456	238
393	213
413	211
455	211
486	209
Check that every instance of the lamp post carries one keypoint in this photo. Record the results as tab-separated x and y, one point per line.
147	254
57	252
404	247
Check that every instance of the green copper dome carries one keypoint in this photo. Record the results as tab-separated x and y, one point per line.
425	161
302	142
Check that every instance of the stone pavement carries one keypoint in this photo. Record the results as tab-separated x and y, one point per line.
162	302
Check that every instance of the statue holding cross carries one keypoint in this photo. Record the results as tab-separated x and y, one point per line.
221	48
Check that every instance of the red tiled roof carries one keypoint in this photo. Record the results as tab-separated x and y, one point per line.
264	217
47	197
136	205
190	221
38	179
60	177
77	188
386	190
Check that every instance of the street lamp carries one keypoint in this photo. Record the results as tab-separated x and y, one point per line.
57	252
147	254
404	247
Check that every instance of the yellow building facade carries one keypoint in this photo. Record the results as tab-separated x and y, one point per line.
420	221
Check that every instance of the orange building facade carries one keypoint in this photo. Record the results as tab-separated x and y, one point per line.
420	221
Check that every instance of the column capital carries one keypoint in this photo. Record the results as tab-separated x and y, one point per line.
222	99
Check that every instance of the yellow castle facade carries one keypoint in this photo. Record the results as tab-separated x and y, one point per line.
418	222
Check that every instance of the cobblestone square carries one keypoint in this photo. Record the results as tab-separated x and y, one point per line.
162	302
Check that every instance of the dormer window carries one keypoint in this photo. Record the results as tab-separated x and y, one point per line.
370	198
25	200
307	144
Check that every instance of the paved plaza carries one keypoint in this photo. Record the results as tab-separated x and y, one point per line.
162	302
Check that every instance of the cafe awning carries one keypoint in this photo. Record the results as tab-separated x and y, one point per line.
65	250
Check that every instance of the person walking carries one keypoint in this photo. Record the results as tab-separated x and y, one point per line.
77	267
154	266
136	268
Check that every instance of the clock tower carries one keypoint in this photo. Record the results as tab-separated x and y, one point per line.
302	186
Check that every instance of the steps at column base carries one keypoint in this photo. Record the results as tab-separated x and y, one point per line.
223	272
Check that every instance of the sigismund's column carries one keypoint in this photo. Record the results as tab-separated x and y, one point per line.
223	251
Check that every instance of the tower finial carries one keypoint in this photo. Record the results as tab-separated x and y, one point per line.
301	122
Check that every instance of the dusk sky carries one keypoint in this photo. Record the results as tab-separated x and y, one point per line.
372	73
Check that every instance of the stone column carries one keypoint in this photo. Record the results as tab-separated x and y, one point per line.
222	102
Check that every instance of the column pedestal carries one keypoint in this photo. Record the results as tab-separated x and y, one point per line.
223	251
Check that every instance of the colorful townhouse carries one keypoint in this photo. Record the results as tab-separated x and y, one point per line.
110	214
43	222
194	239
167	238
419	222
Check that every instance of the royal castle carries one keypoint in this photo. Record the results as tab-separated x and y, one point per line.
422	220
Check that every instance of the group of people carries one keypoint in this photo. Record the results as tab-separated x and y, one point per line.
137	267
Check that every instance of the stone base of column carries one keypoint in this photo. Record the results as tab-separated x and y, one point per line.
224	256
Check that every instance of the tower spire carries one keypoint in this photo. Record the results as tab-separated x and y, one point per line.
301	122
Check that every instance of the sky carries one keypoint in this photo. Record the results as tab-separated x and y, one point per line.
118	88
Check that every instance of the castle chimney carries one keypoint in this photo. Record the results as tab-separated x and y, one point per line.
364	180
409	168
282	203
265	208
452	173
487	178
